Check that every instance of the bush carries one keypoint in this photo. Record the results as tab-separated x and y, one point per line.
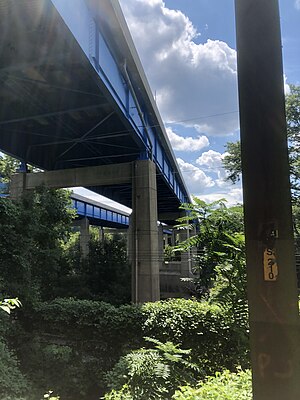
70	344
147	374
37	223
205	328
13	384
223	386
104	275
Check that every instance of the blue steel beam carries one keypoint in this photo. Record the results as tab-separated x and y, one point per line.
111	51
99	214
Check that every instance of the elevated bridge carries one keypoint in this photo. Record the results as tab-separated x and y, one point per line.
75	102
99	214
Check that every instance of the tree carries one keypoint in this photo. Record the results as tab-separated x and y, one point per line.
293	132
233	166
104	275
221	261
216	225
31	234
8	166
232	161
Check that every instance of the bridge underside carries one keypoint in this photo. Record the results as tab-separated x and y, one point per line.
55	112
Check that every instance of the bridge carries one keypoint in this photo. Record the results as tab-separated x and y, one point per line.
75	102
99	214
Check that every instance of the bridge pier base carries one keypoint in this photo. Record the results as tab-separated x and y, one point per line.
84	237
17	185
144	233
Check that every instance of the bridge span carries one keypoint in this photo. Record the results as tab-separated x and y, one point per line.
76	103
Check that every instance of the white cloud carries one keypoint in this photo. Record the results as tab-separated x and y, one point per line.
297	4
195	83
196	180
287	89
181	143
210	159
233	197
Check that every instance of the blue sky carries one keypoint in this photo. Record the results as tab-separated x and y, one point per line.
187	48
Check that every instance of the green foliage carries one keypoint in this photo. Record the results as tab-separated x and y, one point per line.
70	344
8	166
13	384
122	394
232	161
105	275
223	386
230	284
208	329
152	373
38	224
230	288
50	396
108	270
76	339
10	304
215	223
293	130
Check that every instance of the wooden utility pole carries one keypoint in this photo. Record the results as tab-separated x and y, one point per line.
272	283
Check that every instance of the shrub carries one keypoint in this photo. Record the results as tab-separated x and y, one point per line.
223	386
70	344
13	384
148	374
37	223
205	328
104	275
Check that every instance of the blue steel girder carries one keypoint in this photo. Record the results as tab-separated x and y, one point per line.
100	214
74	93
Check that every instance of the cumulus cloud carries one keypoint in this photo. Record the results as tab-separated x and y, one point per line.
211	160
297	4
233	197
195	83
196	180
182	143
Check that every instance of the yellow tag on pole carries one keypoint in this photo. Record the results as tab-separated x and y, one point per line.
270	265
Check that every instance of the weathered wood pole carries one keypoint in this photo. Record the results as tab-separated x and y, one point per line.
272	284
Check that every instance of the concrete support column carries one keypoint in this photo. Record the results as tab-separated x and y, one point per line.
17	185
173	237
101	234
161	245
186	263
84	236
144	233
